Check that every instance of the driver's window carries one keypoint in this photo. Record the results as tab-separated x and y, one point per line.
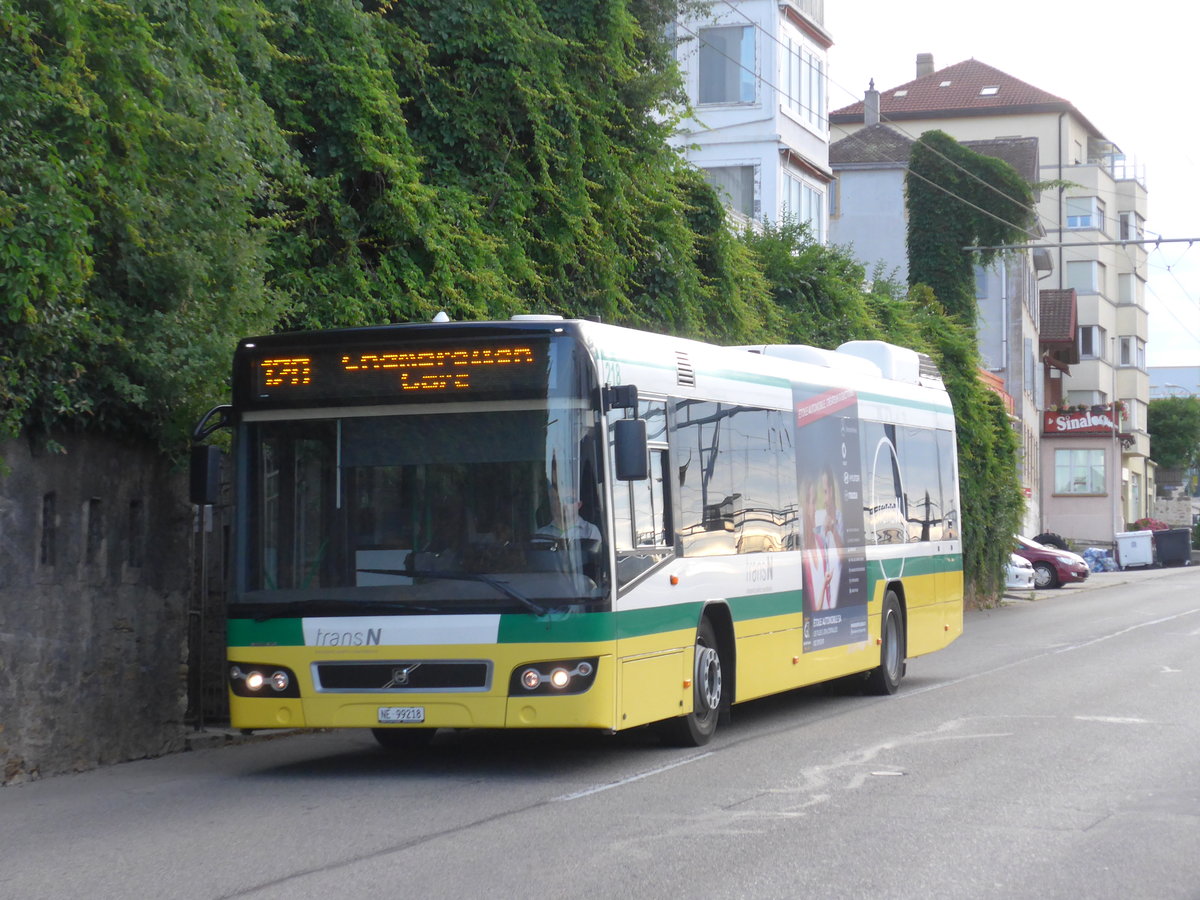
641	511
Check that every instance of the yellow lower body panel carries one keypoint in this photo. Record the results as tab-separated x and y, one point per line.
491	707
656	687
933	627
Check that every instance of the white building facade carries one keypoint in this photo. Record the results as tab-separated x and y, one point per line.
756	77
1091	484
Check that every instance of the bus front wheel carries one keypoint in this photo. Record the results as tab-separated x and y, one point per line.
885	678
708	687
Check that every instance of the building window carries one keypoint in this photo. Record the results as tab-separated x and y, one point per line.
1079	472
1091	342
1085	212
1086	398
1087	276
737	187
727	65
1128	289
805	203
803	81
1133	352
981	283
1131	226
1133	416
835	208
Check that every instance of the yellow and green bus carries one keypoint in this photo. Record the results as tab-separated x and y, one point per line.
557	523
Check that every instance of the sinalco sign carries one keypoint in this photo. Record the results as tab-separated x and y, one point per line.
1097	420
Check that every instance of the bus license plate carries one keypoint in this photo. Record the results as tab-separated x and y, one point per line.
406	714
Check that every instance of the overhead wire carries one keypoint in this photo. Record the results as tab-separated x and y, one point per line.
762	80
1167	306
758	77
900	129
895	126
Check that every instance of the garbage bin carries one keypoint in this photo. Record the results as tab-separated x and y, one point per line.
1135	548
1174	546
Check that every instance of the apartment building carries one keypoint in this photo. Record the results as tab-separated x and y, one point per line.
1093	473
756	79
870	217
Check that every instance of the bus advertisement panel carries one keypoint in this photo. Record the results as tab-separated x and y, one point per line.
830	479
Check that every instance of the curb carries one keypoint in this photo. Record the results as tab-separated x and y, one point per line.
211	737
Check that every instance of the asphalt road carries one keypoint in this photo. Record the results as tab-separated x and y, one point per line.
1053	751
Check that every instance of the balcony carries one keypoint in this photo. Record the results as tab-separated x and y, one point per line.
813	10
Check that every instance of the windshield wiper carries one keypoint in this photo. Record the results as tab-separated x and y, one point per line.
501	586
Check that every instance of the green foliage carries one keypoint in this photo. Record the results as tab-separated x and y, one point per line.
130	249
817	290
958	198
175	174
1174	427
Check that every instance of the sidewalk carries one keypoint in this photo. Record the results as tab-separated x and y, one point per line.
1098	580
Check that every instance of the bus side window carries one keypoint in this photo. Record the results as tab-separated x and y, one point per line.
641	509
883	499
923	490
948	477
650	525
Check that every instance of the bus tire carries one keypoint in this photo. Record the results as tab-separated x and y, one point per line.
885	678
403	740
708	687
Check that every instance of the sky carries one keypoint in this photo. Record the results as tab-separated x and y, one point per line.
1132	69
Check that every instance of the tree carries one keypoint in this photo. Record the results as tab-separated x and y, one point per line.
1174	427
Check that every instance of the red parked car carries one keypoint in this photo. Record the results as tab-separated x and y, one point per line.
1052	567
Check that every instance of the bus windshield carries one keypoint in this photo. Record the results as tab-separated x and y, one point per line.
441	509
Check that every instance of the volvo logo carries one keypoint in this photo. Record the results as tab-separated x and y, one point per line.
401	674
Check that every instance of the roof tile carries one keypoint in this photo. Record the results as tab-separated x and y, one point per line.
873	144
959	87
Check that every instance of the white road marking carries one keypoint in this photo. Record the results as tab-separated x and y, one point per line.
596	789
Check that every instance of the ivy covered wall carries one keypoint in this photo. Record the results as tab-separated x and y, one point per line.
175	174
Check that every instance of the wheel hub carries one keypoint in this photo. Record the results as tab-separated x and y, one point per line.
708	677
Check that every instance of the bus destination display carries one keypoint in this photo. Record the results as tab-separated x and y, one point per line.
330	373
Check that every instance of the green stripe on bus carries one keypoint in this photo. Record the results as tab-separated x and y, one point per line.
762	606
580	627
904	401
641	622
271	633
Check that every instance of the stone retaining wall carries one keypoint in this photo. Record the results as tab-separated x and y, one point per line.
95	575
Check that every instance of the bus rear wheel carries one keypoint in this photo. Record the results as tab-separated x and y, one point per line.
708	693
885	678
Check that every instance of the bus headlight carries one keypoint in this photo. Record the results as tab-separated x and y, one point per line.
560	676
252	680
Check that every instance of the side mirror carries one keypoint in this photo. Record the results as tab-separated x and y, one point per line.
205	475
632	455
